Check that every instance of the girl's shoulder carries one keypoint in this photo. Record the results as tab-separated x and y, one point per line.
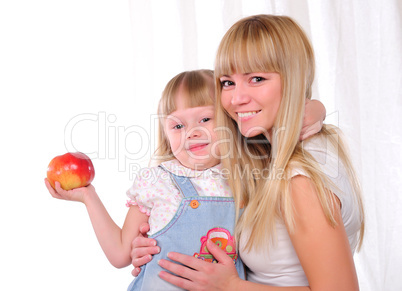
148	178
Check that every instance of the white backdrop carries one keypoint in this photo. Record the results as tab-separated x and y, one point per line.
86	75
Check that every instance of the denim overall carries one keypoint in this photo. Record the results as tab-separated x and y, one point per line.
197	219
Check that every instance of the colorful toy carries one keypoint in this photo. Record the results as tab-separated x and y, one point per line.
222	238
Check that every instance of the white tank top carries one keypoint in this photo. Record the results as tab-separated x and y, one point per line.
281	267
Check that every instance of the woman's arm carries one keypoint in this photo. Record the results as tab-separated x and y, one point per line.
196	274
324	251
115	241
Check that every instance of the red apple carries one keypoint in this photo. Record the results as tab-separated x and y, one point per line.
72	170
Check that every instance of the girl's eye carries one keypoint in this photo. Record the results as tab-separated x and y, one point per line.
205	119
226	83
178	126
257	79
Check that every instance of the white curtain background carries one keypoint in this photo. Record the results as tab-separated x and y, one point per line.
86	76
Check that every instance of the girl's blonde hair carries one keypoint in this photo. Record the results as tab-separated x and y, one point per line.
197	88
268	43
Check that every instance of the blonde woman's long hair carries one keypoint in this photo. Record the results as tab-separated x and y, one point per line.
198	89
267	43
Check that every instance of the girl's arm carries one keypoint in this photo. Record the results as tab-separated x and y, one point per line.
314	116
115	241
323	251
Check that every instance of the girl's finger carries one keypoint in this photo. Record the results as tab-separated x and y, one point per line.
49	187
58	187
51	190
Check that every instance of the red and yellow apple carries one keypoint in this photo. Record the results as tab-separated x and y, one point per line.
71	170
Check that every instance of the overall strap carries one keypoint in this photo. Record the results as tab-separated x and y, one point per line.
183	184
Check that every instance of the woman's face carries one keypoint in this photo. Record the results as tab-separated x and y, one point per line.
252	100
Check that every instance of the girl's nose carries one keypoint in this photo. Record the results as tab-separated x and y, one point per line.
192	133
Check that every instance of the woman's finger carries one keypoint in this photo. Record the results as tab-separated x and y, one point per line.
136	271
195	274
198	264
220	255
180	270
139	261
144	228
141	241
187	260
142	250
177	281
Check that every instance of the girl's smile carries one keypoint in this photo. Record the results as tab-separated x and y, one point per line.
191	134
197	147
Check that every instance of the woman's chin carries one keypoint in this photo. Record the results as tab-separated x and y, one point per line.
251	133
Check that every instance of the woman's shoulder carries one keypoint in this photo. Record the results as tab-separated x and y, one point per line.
320	149
325	154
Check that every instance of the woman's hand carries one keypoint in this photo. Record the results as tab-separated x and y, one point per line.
142	249
314	116
197	274
78	194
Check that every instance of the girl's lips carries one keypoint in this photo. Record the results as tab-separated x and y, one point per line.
197	147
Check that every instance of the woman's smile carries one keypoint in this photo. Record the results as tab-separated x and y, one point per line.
252	100
244	116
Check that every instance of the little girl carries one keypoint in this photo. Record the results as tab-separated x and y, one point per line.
185	199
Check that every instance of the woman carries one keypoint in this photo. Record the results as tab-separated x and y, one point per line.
302	212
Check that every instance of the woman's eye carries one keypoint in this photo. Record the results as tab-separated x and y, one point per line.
226	83
205	119
257	79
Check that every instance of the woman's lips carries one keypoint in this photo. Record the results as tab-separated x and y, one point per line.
244	116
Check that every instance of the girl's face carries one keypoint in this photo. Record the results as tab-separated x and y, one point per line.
252	100
190	131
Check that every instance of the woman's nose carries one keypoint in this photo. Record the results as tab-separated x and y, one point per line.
240	95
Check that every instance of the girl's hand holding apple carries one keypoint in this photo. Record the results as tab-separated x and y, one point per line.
77	194
71	170
69	177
